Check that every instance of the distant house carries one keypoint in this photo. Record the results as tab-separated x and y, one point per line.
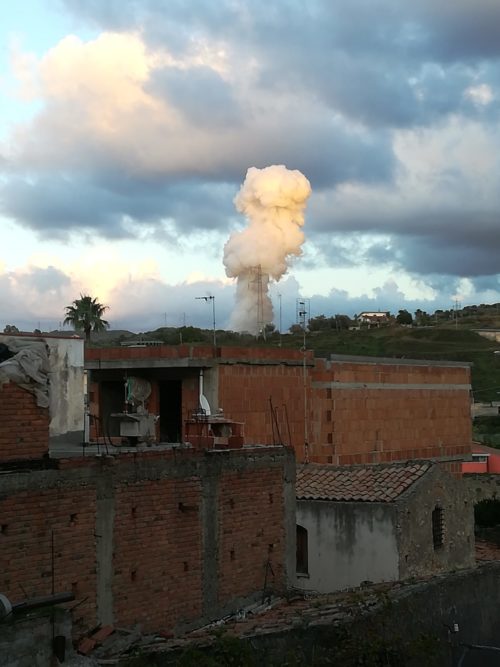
484	459
379	523
373	319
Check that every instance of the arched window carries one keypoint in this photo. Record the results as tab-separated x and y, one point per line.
302	560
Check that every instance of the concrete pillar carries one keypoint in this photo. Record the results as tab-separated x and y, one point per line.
105	517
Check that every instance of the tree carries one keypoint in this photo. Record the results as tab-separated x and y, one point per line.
10	329
85	314
404	317
342	322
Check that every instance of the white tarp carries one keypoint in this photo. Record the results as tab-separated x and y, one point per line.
28	368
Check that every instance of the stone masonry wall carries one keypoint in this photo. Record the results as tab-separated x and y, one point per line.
144	538
417	555
24	426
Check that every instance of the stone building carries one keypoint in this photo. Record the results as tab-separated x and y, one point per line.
380	523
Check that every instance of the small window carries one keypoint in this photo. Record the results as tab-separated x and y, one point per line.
302	560
437	527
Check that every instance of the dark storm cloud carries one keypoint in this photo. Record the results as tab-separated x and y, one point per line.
58	206
109	198
432	241
365	58
447	256
484	283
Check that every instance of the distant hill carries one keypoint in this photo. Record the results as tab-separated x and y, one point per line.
445	342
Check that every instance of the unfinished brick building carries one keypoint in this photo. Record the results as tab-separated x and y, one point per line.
343	410
166	538
167	535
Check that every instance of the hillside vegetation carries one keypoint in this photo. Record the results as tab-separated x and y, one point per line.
437	343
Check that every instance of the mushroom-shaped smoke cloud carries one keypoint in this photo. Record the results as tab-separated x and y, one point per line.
273	199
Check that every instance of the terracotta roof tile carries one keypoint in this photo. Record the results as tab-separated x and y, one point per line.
370	483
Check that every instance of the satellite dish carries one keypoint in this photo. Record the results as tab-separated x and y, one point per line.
138	390
205	405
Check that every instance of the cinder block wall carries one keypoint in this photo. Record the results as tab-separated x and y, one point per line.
24	426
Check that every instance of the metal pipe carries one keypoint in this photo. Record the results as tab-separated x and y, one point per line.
35	603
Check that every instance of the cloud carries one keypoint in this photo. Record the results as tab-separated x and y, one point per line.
154	132
367	59
146	129
185	88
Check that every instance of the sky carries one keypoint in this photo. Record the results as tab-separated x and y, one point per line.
127	128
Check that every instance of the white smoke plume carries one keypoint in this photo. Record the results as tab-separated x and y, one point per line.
273	199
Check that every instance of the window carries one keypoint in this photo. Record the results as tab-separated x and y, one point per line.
437	527
302	564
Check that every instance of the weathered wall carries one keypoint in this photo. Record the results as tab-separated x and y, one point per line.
251	532
481	486
66	388
411	626
24	432
65	385
48	522
418	557
348	543
144	538
378	410
26	640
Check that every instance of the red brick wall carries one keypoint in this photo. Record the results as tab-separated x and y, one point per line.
369	424
364	423
156	551
24	426
158	560
29	519
244	392
361	424
251	533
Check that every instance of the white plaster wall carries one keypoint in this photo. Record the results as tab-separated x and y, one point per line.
348	543
66	391
66	386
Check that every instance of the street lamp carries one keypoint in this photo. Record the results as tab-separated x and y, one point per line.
212	299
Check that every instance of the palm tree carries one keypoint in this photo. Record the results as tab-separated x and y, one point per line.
85	314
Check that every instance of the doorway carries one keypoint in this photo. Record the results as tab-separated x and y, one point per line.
170	411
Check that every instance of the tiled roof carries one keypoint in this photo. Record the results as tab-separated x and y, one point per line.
370	483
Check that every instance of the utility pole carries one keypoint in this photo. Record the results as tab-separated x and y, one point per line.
302	313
